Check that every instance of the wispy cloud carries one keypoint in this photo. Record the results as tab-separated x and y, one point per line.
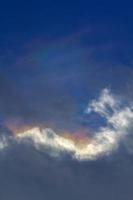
106	140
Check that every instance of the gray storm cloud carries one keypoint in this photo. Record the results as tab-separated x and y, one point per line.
106	140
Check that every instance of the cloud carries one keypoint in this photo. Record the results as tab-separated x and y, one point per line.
119	118
107	139
27	172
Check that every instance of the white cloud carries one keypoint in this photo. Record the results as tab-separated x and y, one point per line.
103	143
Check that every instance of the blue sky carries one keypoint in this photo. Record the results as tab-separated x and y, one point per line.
55	57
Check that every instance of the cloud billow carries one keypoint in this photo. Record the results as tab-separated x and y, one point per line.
104	142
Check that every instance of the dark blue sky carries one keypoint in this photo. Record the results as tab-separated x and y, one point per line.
54	19
55	56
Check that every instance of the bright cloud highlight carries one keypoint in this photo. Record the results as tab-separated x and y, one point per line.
106	140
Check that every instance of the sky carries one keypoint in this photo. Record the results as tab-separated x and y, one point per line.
66	102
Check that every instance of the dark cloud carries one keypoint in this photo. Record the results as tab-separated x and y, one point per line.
27	174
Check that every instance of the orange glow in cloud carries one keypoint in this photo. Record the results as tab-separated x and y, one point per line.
17	126
80	138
